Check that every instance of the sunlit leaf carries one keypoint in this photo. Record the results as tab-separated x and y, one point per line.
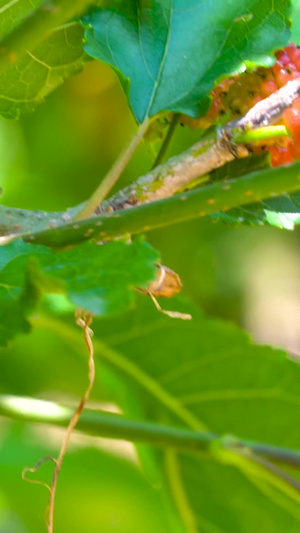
172	52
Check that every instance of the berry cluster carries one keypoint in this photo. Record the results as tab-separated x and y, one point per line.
235	95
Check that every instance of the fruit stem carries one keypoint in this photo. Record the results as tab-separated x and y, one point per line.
260	134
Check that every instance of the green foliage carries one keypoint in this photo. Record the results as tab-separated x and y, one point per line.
150	45
207	374
24	86
282	212
259	214
122	497
99	278
11	13
26	83
285	204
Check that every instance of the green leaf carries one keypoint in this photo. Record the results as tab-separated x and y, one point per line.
172	51
207	374
24	86
257	215
285	204
282	212
11	13
209	370
99	278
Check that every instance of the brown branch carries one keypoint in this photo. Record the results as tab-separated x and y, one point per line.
167	179
269	110
205	156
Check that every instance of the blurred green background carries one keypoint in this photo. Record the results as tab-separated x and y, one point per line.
53	159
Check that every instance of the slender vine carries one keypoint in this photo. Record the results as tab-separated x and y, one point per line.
83	320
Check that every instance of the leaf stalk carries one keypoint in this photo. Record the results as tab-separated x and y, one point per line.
101	424
113	175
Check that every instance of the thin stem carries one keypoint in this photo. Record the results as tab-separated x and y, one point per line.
84	323
101	424
36	26
219	196
113	175
167	140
